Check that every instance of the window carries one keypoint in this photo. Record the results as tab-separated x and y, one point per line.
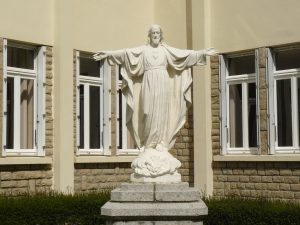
99	86
239	124
125	143
284	96
92	107
23	100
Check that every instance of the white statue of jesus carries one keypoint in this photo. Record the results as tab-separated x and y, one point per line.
157	87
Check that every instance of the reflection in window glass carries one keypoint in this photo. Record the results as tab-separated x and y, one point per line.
94	117
252	122
235	115
284	113
288	59
20	58
241	65
89	67
10	114
81	116
27	114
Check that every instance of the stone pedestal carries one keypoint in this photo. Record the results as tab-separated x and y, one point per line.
155	204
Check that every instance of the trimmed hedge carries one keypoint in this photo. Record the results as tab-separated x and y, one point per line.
53	209
234	211
84	209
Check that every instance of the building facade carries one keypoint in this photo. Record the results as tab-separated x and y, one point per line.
62	115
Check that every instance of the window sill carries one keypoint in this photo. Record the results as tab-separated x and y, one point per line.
257	158
25	160
104	159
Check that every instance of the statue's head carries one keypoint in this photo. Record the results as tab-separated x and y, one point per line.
155	35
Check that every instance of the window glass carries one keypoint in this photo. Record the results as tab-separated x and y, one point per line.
241	65
235	115
94	117
27	114
288	59
10	114
89	67
20	58
252	123
284	113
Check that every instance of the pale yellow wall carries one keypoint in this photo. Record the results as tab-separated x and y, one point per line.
29	21
200	38
111	24
244	24
171	16
90	26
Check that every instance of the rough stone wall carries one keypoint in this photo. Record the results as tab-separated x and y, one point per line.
183	149
25	179
215	105
100	176
272	180
263	125
49	102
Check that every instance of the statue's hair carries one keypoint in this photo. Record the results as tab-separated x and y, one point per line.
161	32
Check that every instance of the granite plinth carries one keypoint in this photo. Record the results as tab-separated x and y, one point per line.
129	192
153	209
154	203
167	178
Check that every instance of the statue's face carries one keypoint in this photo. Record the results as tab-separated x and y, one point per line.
155	35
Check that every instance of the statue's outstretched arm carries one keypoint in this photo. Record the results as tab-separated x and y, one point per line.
210	51
113	57
100	55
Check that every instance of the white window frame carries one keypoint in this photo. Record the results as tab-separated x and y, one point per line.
244	80
105	127
38	76
272	76
124	150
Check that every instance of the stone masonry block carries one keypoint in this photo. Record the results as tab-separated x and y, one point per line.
255	179
232	178
244	178
272	172
273	186
284	187
295	187
262	57
278	179
291	179
285	172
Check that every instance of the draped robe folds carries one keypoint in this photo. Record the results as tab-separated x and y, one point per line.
157	87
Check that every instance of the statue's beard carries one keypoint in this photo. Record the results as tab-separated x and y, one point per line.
156	41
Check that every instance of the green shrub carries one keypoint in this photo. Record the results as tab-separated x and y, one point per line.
233	211
84	209
53	209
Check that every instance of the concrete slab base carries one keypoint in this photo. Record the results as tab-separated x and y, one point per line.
155	204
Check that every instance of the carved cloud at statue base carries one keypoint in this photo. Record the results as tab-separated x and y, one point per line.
155	166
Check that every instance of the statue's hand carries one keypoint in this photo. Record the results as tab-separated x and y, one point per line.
210	51
100	55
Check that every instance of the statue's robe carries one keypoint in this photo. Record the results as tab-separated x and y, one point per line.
157	87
